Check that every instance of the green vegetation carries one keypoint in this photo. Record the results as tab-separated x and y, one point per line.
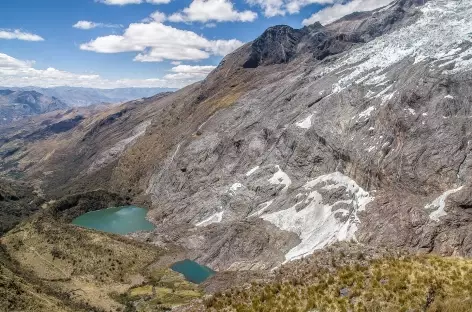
408	283
164	291
56	266
21	290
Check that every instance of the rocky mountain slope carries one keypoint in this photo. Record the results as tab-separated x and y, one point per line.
15	105
358	130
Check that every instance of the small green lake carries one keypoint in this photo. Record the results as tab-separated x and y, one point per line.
119	220
193	271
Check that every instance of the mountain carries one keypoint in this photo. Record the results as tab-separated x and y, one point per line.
76	96
15	105
354	132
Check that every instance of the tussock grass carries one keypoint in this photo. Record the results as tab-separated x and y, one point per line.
408	283
98	271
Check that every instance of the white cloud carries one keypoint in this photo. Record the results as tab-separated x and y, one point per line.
90	25
338	10
224	47
19	73
212	10
157	42
271	7
281	7
189	72
18	34
158	17
294	6
125	2
84	25
176	62
8	62
335	10
210	25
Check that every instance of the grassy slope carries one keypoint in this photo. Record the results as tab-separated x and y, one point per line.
357	282
86	269
17	294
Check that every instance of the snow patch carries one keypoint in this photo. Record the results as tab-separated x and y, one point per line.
261	210
450	97
280	177
439	204
438	34
236	186
305	123
376	80
250	172
369	94
216	218
318	224
411	111
366	113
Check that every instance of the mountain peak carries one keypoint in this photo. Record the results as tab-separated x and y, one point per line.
281	44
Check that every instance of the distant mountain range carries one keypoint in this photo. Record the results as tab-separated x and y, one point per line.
76	96
15	105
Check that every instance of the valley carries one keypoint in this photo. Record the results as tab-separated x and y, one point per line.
326	168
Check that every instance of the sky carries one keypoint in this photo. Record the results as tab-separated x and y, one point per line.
140	43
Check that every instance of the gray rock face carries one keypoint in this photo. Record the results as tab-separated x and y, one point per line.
358	130
352	147
276	45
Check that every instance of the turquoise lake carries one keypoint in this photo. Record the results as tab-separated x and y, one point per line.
120	220
193	271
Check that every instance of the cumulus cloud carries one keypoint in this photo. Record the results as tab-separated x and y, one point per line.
185	72
294	6
19	35
156	42
90	25
8	62
158	17
20	73
338	10
335	8
126	2
212	10
273	8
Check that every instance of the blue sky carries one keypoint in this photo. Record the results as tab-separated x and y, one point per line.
150	43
